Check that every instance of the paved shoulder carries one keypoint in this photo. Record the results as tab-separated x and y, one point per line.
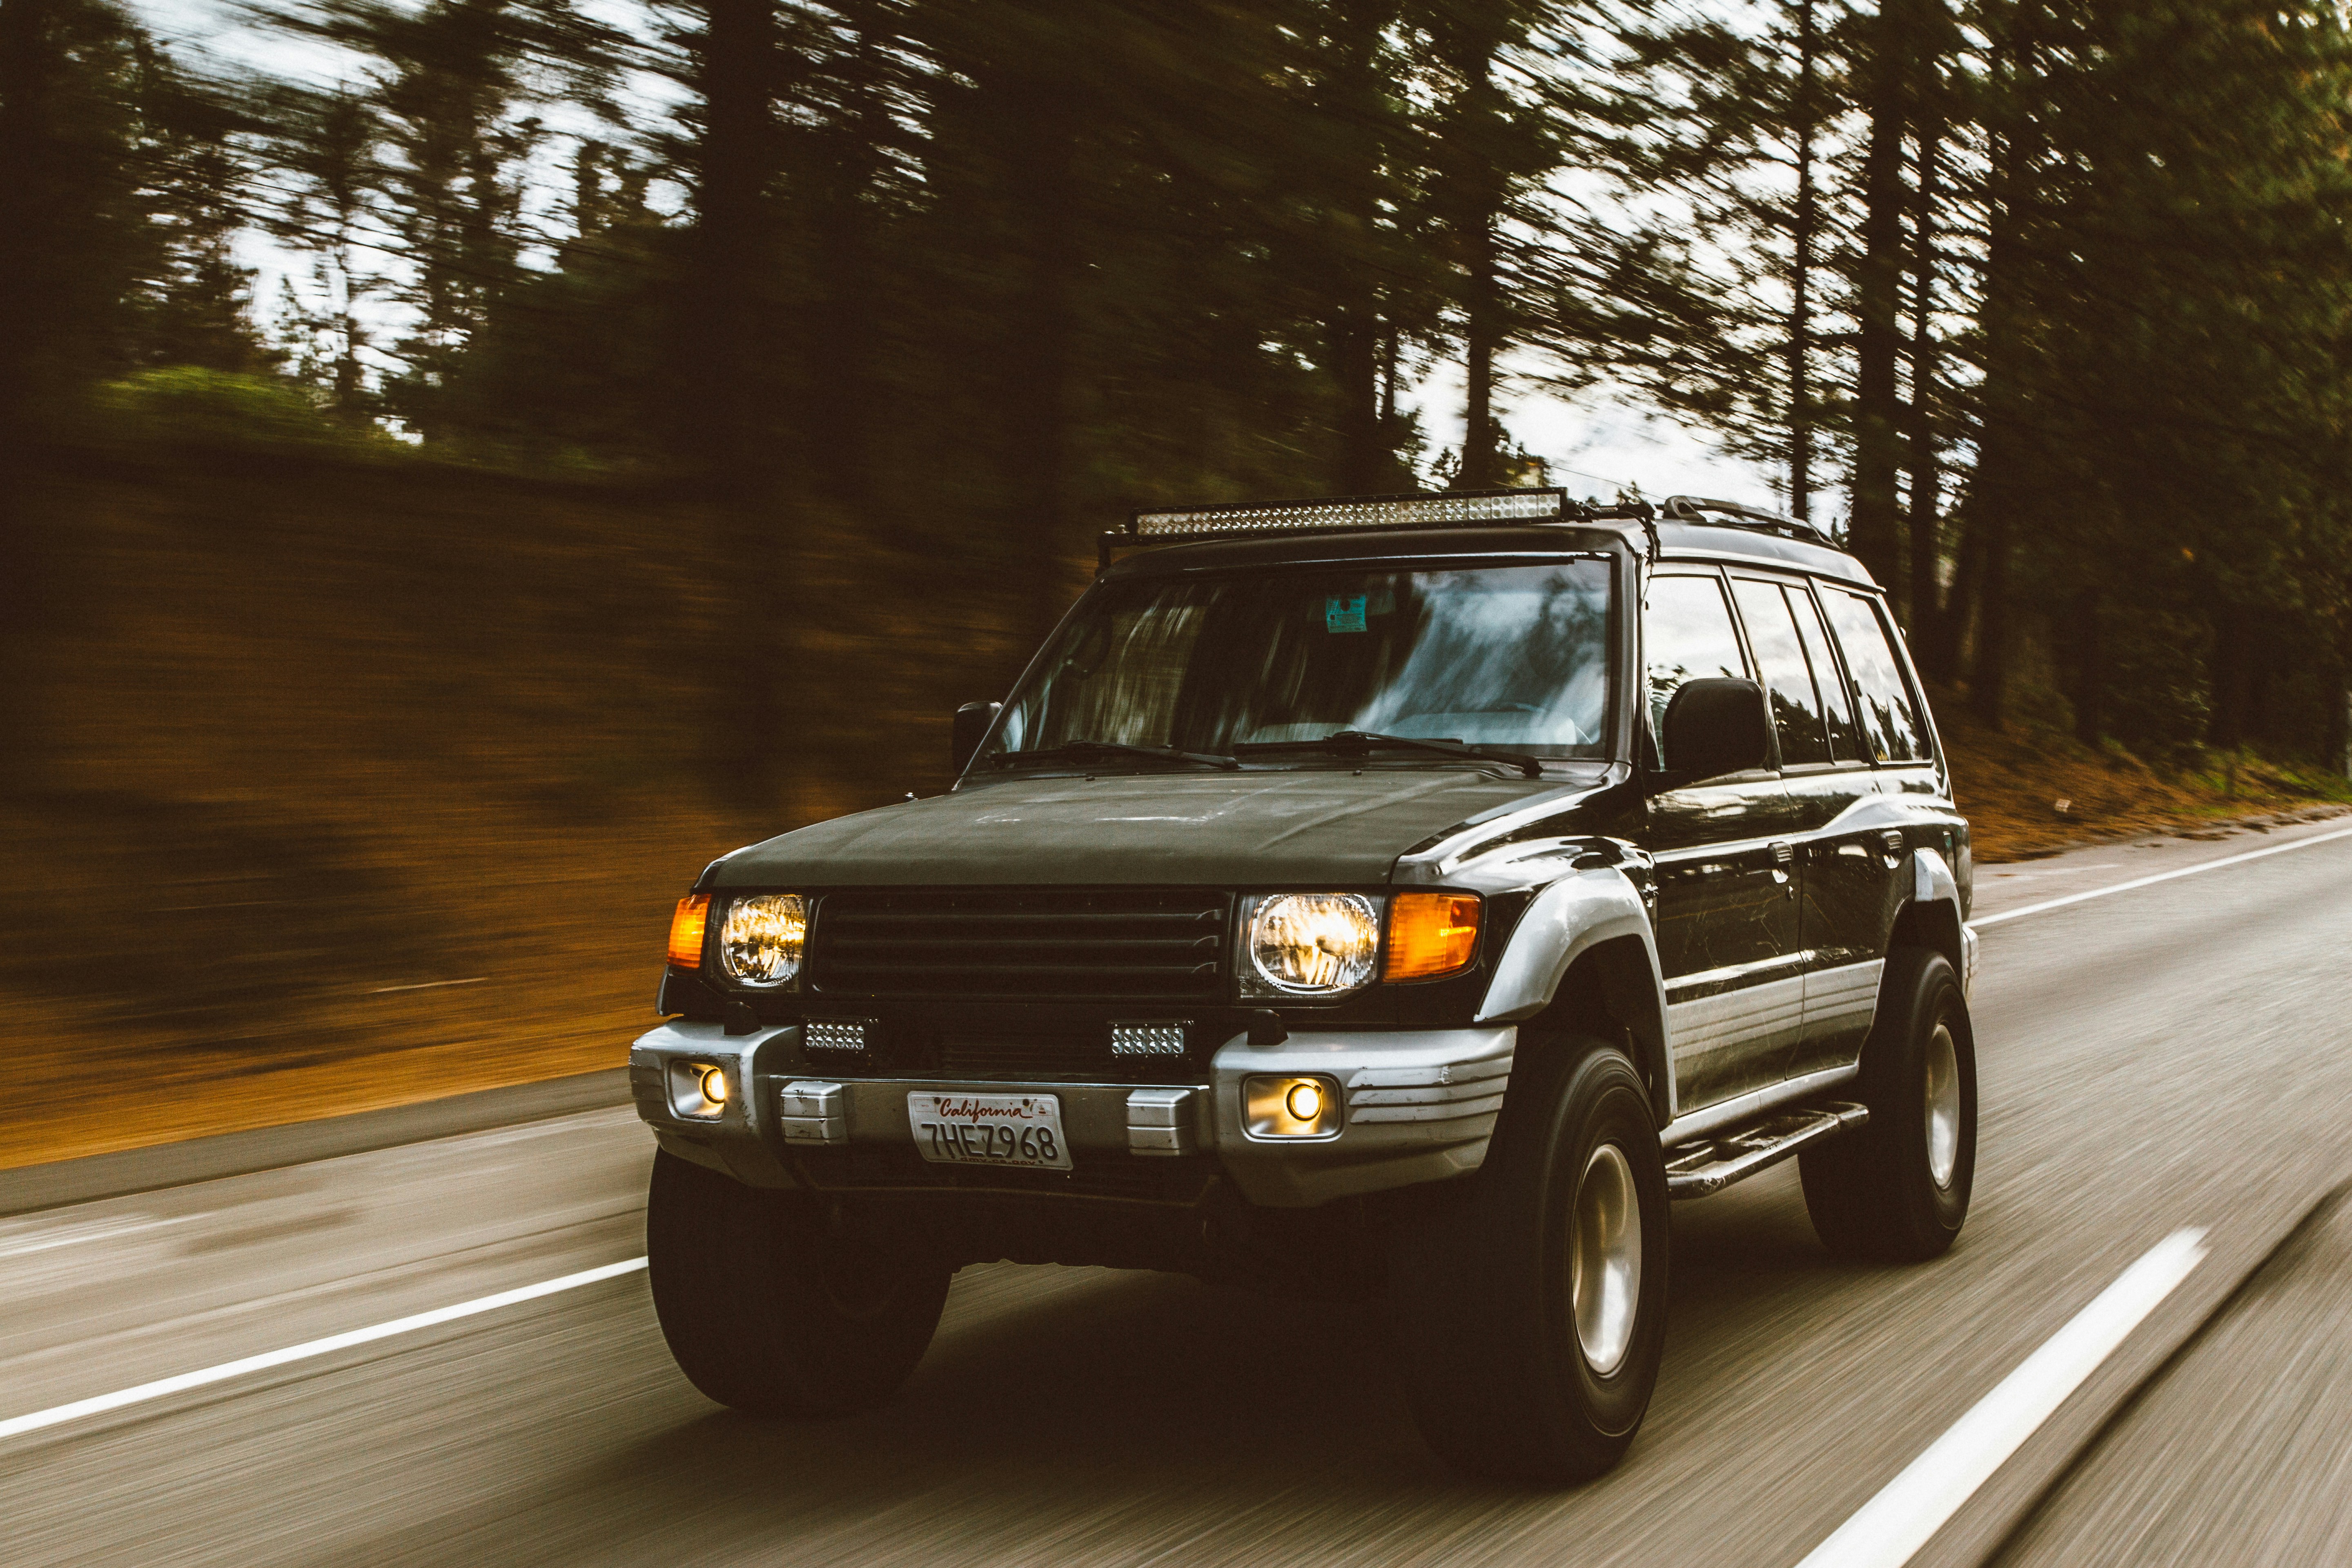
96	1176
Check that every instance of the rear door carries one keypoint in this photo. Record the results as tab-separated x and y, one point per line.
1727	937
1852	858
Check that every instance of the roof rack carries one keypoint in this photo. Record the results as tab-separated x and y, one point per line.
1731	514
1444	509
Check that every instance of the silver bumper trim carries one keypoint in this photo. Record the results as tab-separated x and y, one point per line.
1163	1121
1421	1107
810	1110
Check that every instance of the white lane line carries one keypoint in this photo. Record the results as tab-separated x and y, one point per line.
332	1342
1984	920
1886	1532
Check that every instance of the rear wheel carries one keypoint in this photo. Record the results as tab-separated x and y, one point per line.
767	1310
1530	1306
1897	1190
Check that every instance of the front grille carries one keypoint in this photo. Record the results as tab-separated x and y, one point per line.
1034	944
1039	1055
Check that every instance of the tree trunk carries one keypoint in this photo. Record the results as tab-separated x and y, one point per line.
1357	100
2001	484
33	197
732	425
1800	269
1926	544
841	332
1041	124
1478	214
2087	655
2225	727
1878	413
1482	337
1940	654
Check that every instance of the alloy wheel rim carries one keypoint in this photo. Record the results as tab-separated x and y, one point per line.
1943	1095
1605	1259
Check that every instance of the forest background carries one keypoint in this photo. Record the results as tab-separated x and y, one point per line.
668	415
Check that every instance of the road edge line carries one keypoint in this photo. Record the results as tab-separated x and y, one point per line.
1903	1515
99	1404
2021	1512
2160	877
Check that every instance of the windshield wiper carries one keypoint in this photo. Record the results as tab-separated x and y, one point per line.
1364	740
1120	748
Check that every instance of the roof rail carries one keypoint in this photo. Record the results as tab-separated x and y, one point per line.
1731	514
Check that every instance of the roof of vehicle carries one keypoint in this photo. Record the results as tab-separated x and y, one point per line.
1676	541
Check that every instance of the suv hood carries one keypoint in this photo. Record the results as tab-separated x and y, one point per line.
1248	829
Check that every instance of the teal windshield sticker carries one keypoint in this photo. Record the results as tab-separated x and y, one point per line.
1343	613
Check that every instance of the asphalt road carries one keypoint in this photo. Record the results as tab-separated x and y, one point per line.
2170	1057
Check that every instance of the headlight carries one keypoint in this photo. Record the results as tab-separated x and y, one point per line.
762	939
1310	945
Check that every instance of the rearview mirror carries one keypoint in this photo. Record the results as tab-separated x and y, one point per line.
972	722
1715	726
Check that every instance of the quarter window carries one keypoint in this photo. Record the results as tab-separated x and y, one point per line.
1890	723
1686	634
1788	678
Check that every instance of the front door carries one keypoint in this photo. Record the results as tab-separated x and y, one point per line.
1727	932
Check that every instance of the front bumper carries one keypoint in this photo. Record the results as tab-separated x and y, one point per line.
1420	1107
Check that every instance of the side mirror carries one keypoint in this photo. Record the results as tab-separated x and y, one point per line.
972	722
1715	726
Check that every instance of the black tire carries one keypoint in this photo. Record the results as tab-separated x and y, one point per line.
767	1310
1876	1192
1482	1286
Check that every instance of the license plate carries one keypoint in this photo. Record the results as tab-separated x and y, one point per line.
1023	1130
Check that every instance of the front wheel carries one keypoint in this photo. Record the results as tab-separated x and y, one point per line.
1898	1189
1531	1307
768	1310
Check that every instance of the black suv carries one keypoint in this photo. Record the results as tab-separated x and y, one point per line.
1402	896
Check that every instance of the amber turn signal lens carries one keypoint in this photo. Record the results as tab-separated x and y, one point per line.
686	930
1431	934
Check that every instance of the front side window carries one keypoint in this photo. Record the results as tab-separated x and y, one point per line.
1509	656
1788	678
1891	726
1686	634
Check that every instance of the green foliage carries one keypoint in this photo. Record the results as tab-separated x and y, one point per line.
191	406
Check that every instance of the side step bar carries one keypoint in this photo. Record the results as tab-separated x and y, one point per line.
1711	1164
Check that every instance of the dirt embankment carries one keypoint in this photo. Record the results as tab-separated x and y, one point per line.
2028	793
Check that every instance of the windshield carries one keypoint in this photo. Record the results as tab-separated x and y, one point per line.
1513	658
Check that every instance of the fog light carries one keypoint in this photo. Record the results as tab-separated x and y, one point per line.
1285	1107
698	1090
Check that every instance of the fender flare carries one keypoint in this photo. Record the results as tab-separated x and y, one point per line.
1932	916
1567	920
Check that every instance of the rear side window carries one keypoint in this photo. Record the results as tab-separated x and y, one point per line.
1890	724
1837	703
1788	678
1686	634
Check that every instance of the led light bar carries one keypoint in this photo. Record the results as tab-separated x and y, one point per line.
1152	1040
1356	511
835	1034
